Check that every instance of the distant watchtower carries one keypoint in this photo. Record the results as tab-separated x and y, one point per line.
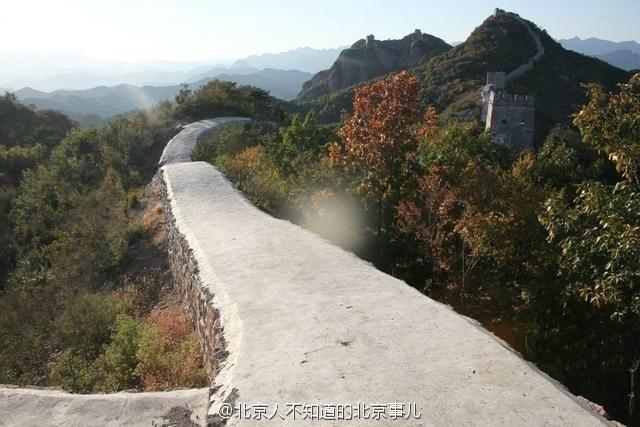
509	118
370	39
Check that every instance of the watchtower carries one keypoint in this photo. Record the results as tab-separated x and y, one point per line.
370	39
510	119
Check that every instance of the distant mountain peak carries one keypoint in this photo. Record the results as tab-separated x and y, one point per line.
241	63
369	58
304	59
594	46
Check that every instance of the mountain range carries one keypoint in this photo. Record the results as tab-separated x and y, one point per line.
452	79
304	59
56	71
624	58
625	55
92	106
53	71
96	90
594	46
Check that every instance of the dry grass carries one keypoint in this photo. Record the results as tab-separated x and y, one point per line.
153	222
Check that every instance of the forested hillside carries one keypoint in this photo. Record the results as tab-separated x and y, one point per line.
86	300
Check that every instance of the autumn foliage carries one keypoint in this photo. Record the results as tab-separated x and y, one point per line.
541	246
380	140
168	352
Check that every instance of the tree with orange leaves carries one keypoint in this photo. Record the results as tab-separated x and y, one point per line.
380	140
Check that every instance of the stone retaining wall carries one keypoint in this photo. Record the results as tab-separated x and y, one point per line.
197	298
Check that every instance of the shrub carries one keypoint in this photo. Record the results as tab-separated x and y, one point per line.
252	173
168	352
115	368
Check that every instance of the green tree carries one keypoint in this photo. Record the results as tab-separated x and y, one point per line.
609	122
300	145
115	368
598	232
564	159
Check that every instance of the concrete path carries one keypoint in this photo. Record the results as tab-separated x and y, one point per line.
37	407
306	322
179	148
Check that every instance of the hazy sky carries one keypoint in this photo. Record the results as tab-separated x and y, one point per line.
135	30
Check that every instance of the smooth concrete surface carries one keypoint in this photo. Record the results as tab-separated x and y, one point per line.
26	407
307	322
179	150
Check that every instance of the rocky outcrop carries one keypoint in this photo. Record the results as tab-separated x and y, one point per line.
369	58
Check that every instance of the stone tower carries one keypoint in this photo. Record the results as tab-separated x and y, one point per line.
370	39
497	79
510	119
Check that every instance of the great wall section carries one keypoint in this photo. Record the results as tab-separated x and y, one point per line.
284	317
535	58
511	118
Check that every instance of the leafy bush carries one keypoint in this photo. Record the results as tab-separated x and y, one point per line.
222	98
115	367
169	353
254	175
299	146
81	332
231	139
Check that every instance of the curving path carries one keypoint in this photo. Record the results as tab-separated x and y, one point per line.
535	58
179	148
304	321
